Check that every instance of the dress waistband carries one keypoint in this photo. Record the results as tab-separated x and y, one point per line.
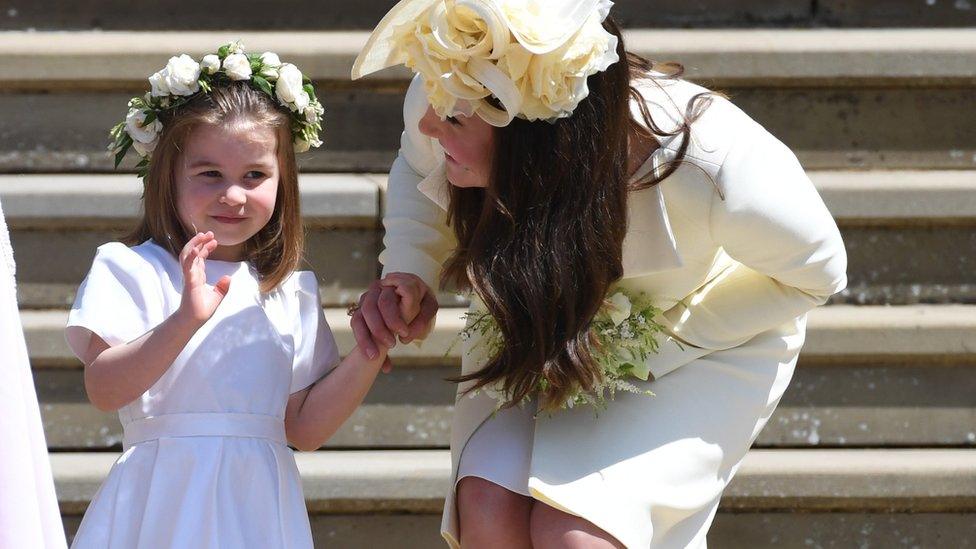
205	424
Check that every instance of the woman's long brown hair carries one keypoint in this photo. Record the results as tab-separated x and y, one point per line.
276	250
542	244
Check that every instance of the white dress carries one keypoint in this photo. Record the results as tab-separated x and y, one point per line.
29	515
205	461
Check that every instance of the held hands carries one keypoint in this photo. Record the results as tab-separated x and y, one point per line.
400	305
200	300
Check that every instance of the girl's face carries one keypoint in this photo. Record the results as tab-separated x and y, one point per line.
467	143
227	182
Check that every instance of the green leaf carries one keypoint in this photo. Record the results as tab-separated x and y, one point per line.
204	85
263	84
310	91
255	65
119	156
150	118
306	79
223	51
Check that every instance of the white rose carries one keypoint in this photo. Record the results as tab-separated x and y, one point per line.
269	65
181	75
138	130
270	59
144	149
313	113
289	86
158	83
235	47
619	308
210	63
237	66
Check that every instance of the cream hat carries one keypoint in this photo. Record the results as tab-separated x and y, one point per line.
496	58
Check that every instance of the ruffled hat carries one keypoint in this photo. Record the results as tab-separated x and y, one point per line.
496	58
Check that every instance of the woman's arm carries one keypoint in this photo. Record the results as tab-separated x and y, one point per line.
417	238
773	222
117	375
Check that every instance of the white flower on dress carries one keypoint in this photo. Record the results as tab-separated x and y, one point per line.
619	308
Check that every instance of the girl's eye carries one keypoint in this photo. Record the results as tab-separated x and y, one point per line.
453	120
254	174
211	173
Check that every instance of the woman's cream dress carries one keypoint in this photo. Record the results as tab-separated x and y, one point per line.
736	247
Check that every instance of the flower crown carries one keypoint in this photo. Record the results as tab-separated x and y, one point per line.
496	58
183	79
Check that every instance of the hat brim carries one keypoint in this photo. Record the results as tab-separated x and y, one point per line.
378	52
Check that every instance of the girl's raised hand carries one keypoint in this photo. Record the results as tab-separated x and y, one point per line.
200	300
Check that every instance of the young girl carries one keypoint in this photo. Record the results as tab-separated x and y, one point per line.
212	347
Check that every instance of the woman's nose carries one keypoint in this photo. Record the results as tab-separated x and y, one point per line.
430	125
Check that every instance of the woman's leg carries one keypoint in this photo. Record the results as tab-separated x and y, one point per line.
552	528
491	516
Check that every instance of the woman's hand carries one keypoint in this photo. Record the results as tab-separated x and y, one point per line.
401	305
200	300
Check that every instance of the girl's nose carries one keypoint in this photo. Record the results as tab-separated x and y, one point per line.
234	195
431	125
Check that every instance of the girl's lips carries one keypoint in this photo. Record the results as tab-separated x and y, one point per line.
229	220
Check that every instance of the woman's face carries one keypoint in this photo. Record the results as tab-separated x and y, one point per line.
467	142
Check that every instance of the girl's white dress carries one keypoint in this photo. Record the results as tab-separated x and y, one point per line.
205	461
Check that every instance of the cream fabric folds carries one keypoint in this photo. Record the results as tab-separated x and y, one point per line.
532	56
29	515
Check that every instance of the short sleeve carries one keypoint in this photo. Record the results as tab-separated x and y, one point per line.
119	300
316	352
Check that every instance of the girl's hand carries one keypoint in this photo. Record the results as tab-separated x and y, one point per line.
200	300
400	304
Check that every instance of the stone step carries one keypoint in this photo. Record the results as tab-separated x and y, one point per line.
855	198
868	377
909	234
295	14
765	58
840	98
785	497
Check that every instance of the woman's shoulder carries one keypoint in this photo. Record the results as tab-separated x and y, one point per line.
717	122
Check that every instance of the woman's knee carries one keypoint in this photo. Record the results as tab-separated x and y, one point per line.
550	528
490	515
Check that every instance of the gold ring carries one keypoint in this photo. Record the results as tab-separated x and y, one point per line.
351	310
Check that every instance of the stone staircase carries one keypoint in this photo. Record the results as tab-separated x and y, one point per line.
874	444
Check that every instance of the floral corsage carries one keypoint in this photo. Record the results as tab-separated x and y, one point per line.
625	333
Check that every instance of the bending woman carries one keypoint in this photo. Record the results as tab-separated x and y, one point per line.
541	167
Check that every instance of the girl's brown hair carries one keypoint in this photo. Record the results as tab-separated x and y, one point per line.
276	250
541	245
